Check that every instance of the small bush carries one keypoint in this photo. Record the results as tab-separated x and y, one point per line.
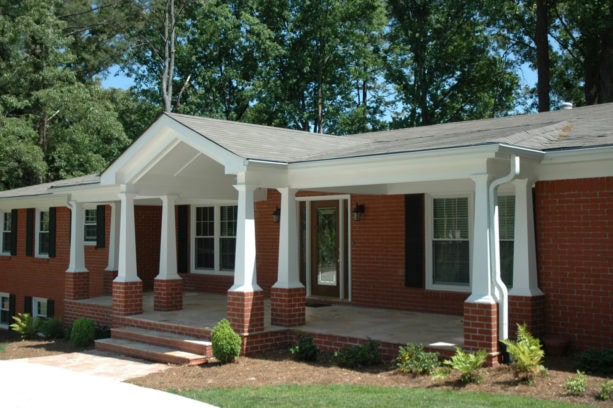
468	364
52	328
83	332
576	385
366	354
226	342
412	359
605	391
527	354
103	332
597	361
305	349
25	325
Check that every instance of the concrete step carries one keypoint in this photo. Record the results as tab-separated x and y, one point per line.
164	339
150	352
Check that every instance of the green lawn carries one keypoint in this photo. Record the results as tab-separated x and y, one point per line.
3	346
339	396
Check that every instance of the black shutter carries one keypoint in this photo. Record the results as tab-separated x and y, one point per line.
52	224
30	232
14	232
100	226
12	308
414	240
50	308
183	239
27	305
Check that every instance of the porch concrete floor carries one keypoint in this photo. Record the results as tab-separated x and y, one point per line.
394	326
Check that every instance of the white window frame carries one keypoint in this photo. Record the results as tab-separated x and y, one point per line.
429	216
37	231
35	302
85	209
8	297
216	238
4	214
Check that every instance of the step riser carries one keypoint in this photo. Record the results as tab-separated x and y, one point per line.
148	355
195	348
203	333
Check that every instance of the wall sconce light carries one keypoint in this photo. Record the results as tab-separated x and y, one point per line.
358	212
276	215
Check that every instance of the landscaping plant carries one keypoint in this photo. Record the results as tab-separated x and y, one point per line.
52	328
468	364
366	354
606	390
597	361
226	342
577	385
305	349
412	359
83	332
527	353
25	325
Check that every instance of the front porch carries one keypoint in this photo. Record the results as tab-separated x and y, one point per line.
332	326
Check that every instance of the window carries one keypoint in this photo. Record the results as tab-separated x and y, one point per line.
90	225
42	233
40	307
214	240
4	309
506	222
450	248
7	233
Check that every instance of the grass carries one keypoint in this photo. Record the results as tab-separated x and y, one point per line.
3	346
352	396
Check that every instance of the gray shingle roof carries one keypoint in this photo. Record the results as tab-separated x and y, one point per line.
44	189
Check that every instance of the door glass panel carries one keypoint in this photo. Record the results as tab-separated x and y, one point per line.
327	246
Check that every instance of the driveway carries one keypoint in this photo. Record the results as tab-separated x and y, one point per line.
91	379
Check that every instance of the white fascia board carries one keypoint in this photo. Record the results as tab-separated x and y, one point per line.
96	194
266	174
37	201
576	164
431	165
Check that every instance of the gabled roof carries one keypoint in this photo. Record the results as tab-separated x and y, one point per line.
45	188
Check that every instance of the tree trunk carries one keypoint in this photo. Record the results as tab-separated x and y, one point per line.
542	56
169	53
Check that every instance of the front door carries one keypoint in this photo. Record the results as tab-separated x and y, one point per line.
326	248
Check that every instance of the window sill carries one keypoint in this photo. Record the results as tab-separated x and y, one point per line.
448	288
212	272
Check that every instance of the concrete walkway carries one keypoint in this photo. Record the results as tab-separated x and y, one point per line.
91	379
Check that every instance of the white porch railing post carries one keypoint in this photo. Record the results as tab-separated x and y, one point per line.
244	265
168	241
113	241
126	270
525	282
288	275
77	252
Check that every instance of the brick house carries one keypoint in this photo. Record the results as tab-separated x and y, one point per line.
499	221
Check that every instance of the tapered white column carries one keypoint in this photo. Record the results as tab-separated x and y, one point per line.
525	282
113	238
288	275
244	265
127	241
168	241
77	253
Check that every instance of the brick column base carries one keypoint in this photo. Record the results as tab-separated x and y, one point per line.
107	282
481	329
246	311
76	285
288	306
167	294
529	310
127	298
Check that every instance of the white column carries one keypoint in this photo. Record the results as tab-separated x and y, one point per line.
244	265
168	241
525	282
77	253
288	274
481	282
113	241
126	270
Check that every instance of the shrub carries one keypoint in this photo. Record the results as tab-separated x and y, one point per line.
576	385
414	360
226	342
25	325
83	332
527	354
52	328
103	332
366	354
597	361
305	349
606	390
468	364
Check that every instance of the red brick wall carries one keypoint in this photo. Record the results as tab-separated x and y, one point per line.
267	241
148	221
574	227
96	259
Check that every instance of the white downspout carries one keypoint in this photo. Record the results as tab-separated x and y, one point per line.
500	289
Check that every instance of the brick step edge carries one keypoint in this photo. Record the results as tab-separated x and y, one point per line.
164	339
131	321
150	352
